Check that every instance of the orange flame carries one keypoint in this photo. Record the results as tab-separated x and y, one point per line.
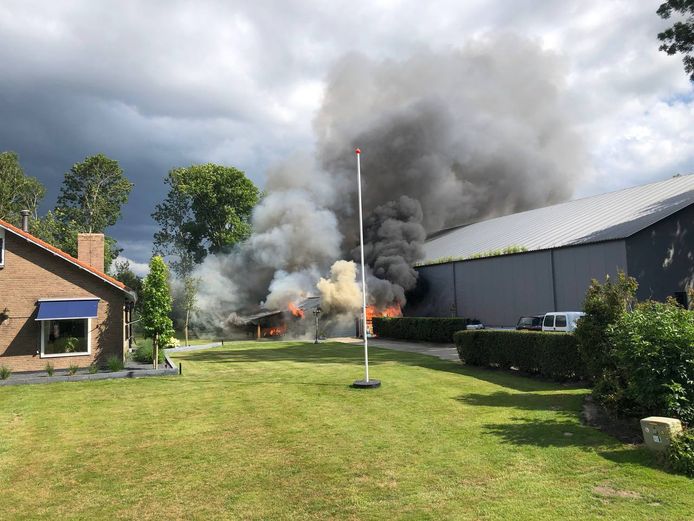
276	331
389	311
297	312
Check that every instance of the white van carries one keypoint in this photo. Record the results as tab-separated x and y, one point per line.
561	320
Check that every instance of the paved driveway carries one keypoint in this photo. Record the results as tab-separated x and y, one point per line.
443	351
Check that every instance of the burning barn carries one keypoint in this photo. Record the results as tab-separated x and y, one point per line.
303	320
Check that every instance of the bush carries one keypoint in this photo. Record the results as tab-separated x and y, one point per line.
553	355
5	373
93	369
419	328
49	368
680	454
169	343
143	353
72	369
653	347
114	363
603	305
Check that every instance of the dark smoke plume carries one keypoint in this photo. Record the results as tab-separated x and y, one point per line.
393	237
447	138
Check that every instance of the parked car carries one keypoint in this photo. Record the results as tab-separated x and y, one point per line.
530	323
561	321
475	324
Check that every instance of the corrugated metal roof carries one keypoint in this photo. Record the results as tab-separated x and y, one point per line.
614	215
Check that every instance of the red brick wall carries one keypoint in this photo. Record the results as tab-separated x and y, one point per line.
32	273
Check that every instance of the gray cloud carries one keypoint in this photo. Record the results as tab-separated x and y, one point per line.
167	83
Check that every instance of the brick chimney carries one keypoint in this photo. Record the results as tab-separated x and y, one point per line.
90	249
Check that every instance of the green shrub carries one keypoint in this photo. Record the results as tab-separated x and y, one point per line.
5	372
114	363
93	369
654	351
143	353
49	368
419	328
603	305
553	355
72	369
680	454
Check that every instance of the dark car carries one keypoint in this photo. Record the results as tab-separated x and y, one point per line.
533	323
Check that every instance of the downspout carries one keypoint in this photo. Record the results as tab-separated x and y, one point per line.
554	281
455	292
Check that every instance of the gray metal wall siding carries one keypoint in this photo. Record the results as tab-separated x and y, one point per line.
497	290
576	266
434	295
661	257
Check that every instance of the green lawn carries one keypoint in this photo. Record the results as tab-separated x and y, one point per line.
271	430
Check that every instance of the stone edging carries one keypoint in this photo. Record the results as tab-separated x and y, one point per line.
171	370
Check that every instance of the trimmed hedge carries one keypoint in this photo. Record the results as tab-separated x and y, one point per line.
430	329
553	355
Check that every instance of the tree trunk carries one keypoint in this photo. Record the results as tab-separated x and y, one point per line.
155	351
185	327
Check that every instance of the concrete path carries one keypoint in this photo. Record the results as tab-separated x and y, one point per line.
199	347
443	351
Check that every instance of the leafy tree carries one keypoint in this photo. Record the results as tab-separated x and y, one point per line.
156	305
55	229
680	37
17	190
93	193
207	210
604	304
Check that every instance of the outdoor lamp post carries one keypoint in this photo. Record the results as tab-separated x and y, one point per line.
366	383
316	314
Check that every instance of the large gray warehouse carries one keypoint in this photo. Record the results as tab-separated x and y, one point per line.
646	231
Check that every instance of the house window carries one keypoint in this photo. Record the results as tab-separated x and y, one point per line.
66	326
65	337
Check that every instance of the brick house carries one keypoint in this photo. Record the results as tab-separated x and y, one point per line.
56	308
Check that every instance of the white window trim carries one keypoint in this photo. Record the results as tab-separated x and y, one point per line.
61	355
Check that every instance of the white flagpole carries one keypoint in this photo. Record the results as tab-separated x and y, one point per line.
366	382
363	271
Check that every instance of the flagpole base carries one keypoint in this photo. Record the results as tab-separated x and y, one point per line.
363	384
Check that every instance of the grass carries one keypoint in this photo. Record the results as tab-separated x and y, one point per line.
271	430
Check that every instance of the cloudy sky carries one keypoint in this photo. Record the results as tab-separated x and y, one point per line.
160	84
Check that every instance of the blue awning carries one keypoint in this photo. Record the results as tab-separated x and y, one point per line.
66	309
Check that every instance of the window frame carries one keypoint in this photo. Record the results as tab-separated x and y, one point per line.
566	321
88	332
545	319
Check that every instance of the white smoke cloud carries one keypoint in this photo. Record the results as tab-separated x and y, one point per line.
340	293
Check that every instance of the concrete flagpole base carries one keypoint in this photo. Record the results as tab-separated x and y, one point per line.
363	384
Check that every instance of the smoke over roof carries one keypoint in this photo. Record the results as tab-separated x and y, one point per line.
446	138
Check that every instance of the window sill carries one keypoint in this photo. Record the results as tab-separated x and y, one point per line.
61	355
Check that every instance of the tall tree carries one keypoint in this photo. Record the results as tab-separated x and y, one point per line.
156	306
680	37
93	193
17	190
207	210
